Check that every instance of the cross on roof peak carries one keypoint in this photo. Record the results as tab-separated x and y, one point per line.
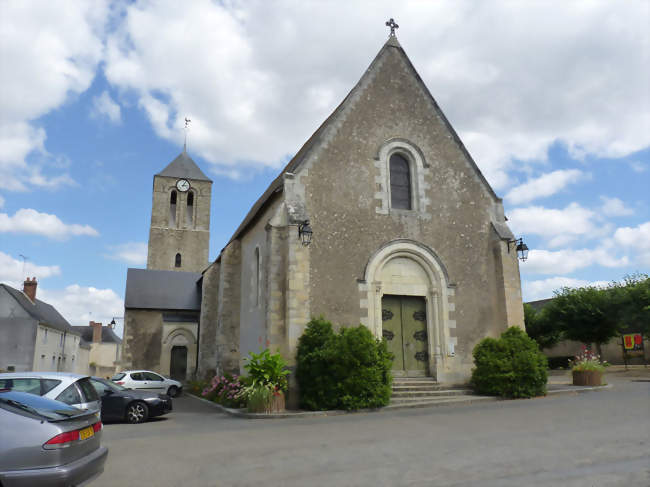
393	25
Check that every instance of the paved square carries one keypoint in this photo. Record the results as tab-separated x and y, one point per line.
591	439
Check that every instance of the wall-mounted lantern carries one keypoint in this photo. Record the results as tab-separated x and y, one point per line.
112	323
521	248
305	232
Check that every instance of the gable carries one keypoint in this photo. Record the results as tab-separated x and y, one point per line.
329	128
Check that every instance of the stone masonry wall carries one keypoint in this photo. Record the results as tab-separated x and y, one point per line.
227	340
208	321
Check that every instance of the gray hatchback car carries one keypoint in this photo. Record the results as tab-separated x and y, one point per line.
73	389
47	443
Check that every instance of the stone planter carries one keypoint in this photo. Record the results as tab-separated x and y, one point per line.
276	405
587	377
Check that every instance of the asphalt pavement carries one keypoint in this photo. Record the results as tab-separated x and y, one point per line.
599	438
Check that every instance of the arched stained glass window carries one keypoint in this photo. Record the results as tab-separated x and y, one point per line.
400	183
177	262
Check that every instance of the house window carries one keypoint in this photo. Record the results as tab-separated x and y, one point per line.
177	261
45	336
190	208
172	209
400	183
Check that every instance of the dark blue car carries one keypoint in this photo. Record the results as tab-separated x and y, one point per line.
133	406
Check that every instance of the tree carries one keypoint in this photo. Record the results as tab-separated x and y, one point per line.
586	314
544	331
632	301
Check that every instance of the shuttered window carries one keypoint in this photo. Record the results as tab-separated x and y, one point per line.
400	183
190	208
172	209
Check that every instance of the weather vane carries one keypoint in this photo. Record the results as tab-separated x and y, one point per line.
187	127
393	25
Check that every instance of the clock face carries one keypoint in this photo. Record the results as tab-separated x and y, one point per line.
183	185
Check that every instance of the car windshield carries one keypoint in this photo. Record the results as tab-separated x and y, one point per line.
118	376
39	406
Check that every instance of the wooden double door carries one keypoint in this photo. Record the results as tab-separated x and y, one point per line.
404	326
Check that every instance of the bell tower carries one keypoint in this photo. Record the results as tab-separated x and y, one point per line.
179	237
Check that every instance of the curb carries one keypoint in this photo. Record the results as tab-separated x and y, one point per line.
579	391
241	413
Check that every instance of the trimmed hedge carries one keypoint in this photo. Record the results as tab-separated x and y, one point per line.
345	370
511	366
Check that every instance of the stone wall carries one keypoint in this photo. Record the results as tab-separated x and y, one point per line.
142	338
228	323
208	321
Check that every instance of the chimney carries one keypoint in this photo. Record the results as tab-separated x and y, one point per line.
29	288
97	332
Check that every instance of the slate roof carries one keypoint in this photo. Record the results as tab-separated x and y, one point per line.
108	335
277	185
154	289
40	311
184	167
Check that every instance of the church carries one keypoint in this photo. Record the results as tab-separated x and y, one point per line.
381	218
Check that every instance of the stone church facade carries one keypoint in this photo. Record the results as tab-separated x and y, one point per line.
408	239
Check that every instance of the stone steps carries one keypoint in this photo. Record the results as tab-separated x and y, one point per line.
423	391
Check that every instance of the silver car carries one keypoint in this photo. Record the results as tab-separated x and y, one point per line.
47	443
73	389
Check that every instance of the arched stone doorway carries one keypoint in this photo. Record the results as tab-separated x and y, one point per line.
408	295
178	354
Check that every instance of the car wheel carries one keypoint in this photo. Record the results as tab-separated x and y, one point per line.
137	412
172	391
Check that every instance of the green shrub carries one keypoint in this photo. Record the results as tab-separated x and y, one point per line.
345	370
510	366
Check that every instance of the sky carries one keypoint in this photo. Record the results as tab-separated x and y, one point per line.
551	98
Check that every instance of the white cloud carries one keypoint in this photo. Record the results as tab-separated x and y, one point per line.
544	288
635	240
2	202
48	51
105	106
638	166
268	72
30	221
615	207
11	271
558	226
567	261
80	304
134	253
545	185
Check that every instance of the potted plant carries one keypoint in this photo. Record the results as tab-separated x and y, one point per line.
267	382
587	369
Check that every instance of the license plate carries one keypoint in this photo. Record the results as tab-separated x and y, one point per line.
86	433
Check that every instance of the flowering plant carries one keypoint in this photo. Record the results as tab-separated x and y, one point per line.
225	390
587	360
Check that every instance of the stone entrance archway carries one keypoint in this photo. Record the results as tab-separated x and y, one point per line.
408	268
178	345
